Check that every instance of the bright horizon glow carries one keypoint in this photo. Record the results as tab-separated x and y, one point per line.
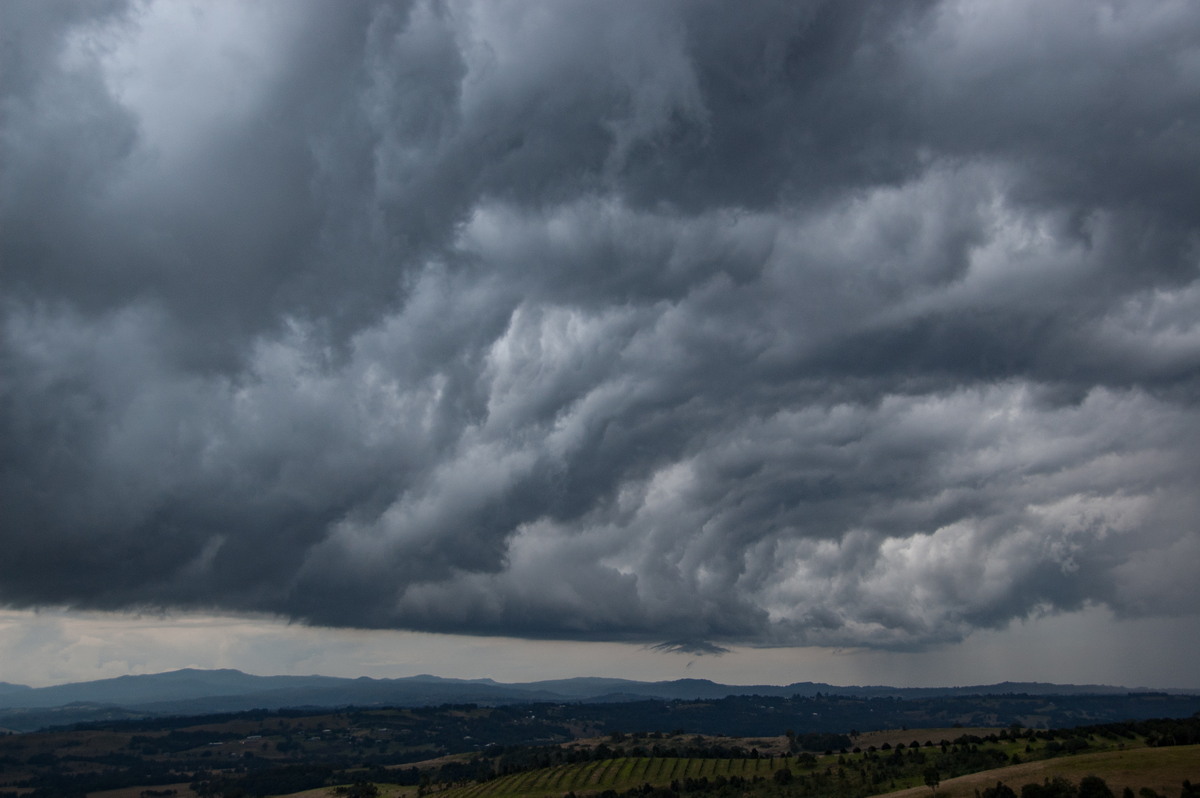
56	646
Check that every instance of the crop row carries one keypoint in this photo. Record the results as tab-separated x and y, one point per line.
612	774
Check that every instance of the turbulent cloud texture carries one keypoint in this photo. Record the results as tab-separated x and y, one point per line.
837	323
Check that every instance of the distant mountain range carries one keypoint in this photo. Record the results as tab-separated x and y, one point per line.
196	692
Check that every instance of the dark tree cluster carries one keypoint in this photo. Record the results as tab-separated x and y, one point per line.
1088	787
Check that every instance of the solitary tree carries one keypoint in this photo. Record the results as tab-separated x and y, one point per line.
1001	790
1094	787
932	778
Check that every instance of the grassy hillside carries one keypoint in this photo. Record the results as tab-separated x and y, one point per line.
619	775
966	760
1160	769
516	752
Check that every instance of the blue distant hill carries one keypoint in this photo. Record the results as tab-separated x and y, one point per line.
194	691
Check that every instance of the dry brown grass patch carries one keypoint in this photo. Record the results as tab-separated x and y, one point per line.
894	736
1160	769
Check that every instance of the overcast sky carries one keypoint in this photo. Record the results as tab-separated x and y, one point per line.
850	337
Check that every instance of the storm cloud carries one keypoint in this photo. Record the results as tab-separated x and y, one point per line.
835	323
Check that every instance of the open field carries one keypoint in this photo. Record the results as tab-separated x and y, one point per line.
181	791
613	774
1161	769
547	751
1121	763
385	791
776	745
625	773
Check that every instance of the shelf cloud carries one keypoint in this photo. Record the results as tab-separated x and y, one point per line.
796	323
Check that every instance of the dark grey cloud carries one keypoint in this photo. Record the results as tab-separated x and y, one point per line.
838	323
699	648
